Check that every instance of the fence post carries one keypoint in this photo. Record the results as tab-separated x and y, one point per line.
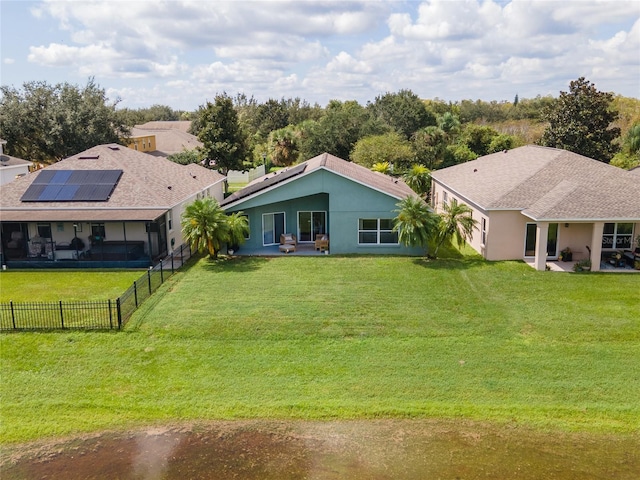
13	315
110	316
161	274
149	280
61	314
171	263
135	292
119	311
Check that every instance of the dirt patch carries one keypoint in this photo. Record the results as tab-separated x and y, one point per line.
375	450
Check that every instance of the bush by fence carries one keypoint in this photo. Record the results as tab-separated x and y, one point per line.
91	315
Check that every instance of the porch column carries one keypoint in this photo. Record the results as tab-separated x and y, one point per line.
596	245
542	235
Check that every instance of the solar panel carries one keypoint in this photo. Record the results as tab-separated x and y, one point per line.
281	176
72	186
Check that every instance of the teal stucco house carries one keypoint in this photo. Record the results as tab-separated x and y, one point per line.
325	196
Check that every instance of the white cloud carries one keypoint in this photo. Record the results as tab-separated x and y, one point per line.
8	61
191	50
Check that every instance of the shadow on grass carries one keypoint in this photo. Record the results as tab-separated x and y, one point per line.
450	263
233	264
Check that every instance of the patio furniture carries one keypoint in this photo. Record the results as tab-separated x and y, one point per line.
288	242
287	248
16	240
322	242
617	259
288	239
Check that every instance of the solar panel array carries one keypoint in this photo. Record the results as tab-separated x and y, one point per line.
72	186
281	176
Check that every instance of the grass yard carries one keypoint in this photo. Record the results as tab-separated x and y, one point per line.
53	285
342	338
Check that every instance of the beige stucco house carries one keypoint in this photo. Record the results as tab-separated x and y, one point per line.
123	206
532	202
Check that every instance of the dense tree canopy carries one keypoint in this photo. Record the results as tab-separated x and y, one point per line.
403	111
580	121
343	124
45	123
390	147
225	143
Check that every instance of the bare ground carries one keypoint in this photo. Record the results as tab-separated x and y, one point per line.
362	449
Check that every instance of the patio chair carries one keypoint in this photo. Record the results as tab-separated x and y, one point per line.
288	239
16	240
322	242
288	242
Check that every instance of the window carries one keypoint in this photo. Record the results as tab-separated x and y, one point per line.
247	234
376	231
530	240
44	230
483	230
97	233
617	235
445	198
310	224
170	219
272	228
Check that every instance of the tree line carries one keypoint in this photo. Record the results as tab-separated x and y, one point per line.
393	133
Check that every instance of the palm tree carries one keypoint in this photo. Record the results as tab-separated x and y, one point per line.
205	226
238	224
419	179
456	221
416	223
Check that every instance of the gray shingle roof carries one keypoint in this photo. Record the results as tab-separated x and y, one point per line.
391	186
546	184
144	184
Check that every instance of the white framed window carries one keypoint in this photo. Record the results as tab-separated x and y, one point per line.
247	234
170	219
376	231
617	235
483	230
273	225
445	198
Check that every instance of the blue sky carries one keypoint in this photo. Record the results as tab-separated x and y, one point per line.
182	53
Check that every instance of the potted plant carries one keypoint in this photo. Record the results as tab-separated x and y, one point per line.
566	255
582	265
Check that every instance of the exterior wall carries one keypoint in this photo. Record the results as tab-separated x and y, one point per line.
174	230
146	143
576	236
10	172
344	201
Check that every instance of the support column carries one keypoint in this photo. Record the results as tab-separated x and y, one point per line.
542	235
596	245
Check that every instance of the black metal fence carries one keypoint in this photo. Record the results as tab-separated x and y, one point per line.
91	315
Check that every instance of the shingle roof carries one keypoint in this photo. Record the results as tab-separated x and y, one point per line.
148	184
168	141
546	184
181	125
391	186
9	161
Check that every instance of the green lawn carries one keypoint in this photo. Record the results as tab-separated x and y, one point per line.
343	337
53	285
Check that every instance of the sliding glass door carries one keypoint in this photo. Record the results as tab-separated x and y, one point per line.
530	240
310	224
272	228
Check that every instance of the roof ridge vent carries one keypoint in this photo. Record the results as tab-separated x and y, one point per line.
89	157
113	147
